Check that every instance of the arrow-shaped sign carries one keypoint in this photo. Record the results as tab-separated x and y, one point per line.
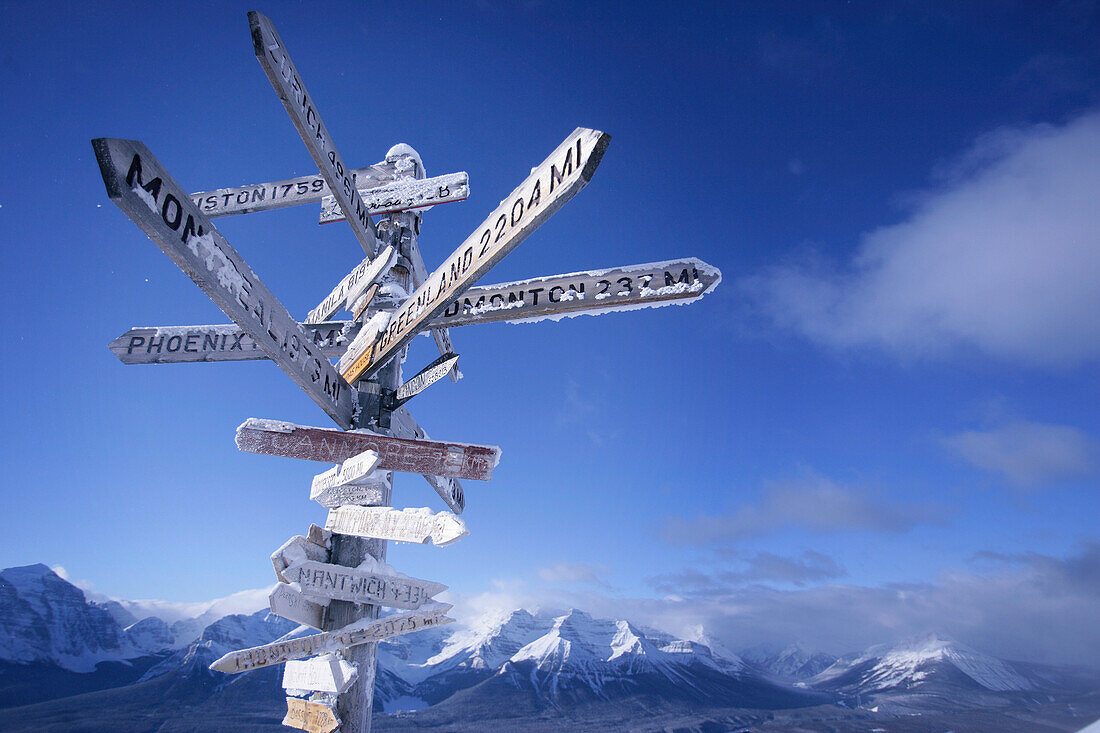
403	195
293	606
341	583
400	525
142	188
359	632
276	438
314	717
296	550
556	180
355	481
423	379
368	271
275	60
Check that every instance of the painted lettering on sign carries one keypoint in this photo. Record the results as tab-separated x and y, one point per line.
461	460
142	188
349	584
353	634
223	342
549	186
367	272
403	195
401	525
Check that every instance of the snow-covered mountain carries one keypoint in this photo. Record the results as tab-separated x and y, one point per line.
789	662
920	663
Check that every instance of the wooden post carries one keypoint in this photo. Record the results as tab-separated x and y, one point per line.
354	707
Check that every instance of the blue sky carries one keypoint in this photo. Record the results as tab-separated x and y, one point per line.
882	422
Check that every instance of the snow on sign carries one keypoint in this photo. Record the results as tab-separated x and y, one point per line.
314	717
221	342
275	60
340	583
296	550
367	272
400	525
278	194
359	632
327	673
553	182
423	379
142	188
403	195
277	438
293	606
353	482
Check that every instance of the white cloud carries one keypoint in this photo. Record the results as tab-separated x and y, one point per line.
1004	257
813	503
573	572
798	570
60	571
1027	453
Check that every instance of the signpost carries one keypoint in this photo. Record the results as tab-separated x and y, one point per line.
403	195
556	180
401	525
142	188
344	564
359	586
354	634
276	438
314	717
326	673
280	70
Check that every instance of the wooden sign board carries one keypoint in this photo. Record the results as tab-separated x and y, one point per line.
142	188
276	438
356	470
423	379
359	632
275	60
402	425
314	717
278	194
403	195
326	673
222	342
293	606
372	494
400	525
295	550
340	583
367	272
556	180
441	336
594	292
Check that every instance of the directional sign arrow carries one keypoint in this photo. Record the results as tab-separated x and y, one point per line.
403	195
341	583
279	194
359	632
401	525
293	606
275	60
355	481
277	438
221	342
556	180
356	281
142	188
314	717
423	379
296	550
326	673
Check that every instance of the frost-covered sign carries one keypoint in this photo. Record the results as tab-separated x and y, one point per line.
359	585
556	180
295	550
221	342
278	194
280	70
293	606
314	717
277	438
326	673
354	282
401	525
423	379
402	425
411	193
360	632
142	188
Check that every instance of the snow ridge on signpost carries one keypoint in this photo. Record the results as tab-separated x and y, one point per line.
336	579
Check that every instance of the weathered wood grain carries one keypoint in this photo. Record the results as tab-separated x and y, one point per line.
288	84
519	214
276	438
359	632
145	192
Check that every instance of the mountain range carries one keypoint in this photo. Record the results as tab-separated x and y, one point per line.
67	662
